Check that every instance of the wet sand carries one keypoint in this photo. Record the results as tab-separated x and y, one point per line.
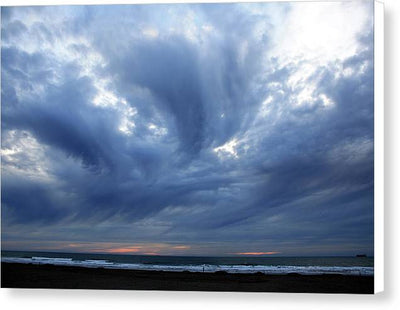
66	277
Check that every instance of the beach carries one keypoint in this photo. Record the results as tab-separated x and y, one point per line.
15	275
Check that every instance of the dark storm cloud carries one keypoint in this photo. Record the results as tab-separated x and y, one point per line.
194	85
299	175
43	206
168	69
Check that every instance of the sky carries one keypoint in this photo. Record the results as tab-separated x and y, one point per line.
188	129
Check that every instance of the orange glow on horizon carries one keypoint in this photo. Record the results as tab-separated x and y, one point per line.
181	247
151	253
122	250
258	253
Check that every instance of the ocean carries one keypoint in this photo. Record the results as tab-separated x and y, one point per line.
269	265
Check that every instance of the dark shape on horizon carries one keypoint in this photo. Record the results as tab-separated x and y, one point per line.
361	255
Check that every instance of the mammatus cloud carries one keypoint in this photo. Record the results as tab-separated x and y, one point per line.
180	129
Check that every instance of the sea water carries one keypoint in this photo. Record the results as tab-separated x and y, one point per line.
269	265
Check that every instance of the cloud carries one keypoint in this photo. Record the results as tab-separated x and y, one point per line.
212	133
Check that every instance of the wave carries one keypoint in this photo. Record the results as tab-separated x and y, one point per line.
239	268
51	259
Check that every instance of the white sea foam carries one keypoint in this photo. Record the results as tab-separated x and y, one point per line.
51	260
267	269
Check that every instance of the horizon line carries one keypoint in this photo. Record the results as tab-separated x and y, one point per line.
192	255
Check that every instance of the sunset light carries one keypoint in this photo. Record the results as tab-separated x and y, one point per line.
257	253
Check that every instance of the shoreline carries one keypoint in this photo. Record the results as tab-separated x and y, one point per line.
17	275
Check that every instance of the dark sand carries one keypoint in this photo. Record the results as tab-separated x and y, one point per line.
48	276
